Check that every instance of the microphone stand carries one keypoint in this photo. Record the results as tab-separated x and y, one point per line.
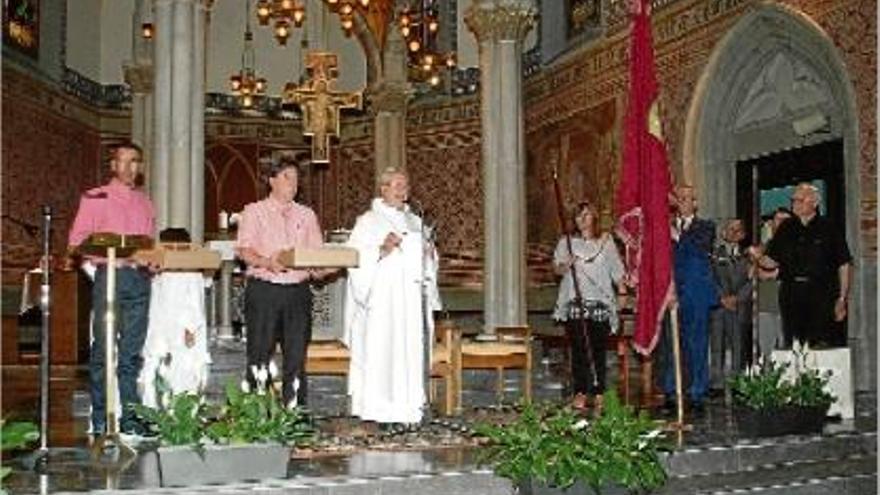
39	459
45	304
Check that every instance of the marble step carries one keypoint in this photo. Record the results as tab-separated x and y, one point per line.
460	483
747	455
852	475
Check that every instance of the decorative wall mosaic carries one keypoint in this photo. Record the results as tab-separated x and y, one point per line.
48	158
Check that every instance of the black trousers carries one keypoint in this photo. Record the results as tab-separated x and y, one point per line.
581	373
279	312
807	310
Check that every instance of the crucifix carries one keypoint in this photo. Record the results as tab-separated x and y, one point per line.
319	103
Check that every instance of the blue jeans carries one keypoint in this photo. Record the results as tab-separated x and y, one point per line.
132	306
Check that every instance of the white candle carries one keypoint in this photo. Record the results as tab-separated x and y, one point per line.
223	220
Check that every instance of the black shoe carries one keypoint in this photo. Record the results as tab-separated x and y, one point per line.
698	408
98	429
715	393
137	429
668	408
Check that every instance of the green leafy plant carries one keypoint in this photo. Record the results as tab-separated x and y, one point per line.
258	416
553	445
15	435
246	417
762	387
182	421
768	385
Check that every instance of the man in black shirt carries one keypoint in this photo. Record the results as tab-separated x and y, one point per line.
814	270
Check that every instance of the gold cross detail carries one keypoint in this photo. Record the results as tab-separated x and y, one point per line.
320	104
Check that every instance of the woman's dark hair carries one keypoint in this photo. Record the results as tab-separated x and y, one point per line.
278	165
578	211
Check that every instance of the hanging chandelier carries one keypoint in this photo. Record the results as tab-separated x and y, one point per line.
245	84
345	10
284	16
420	27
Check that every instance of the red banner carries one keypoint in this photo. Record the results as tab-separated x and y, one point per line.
643	193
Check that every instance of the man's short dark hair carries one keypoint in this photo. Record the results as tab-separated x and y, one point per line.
125	145
278	165
174	234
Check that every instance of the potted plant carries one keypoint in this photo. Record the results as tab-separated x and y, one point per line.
551	449
772	399
247	438
15	435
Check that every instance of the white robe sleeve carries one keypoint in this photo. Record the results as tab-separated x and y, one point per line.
365	238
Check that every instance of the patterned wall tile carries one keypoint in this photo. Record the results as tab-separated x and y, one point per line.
48	158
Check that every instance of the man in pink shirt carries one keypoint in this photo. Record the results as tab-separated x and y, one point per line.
278	300
117	207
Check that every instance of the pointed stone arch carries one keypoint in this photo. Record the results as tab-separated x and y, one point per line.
773	67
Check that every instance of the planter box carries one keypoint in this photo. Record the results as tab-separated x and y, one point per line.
787	420
531	487
220	464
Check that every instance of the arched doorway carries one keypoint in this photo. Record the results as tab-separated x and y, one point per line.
776	83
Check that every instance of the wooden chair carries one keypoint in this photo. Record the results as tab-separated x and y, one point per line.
332	357
446	366
327	357
511	349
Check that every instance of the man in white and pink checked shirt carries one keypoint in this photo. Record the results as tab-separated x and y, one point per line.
278	300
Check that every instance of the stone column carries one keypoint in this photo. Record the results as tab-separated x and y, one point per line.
177	182
500	27
179	202
139	76
197	123
160	166
389	100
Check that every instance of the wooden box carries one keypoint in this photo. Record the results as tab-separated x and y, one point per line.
181	257
328	256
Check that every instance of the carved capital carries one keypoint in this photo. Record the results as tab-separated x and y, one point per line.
390	98
139	77
500	21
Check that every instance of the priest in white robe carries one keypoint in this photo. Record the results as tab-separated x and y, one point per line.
388	308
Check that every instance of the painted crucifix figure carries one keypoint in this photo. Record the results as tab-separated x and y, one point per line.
320	104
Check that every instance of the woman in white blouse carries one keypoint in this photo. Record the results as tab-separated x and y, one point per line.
599	273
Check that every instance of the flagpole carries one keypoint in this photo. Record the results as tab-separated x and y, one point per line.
756	240
676	356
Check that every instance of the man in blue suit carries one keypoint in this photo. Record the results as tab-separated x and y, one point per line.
695	287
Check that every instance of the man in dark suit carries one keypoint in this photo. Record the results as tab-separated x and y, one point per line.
696	291
730	322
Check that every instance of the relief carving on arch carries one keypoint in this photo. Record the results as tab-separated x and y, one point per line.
784	87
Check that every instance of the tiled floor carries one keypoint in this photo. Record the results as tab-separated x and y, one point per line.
347	448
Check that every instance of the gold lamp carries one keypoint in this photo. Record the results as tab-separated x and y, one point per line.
283	14
245	84
345	9
420	26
